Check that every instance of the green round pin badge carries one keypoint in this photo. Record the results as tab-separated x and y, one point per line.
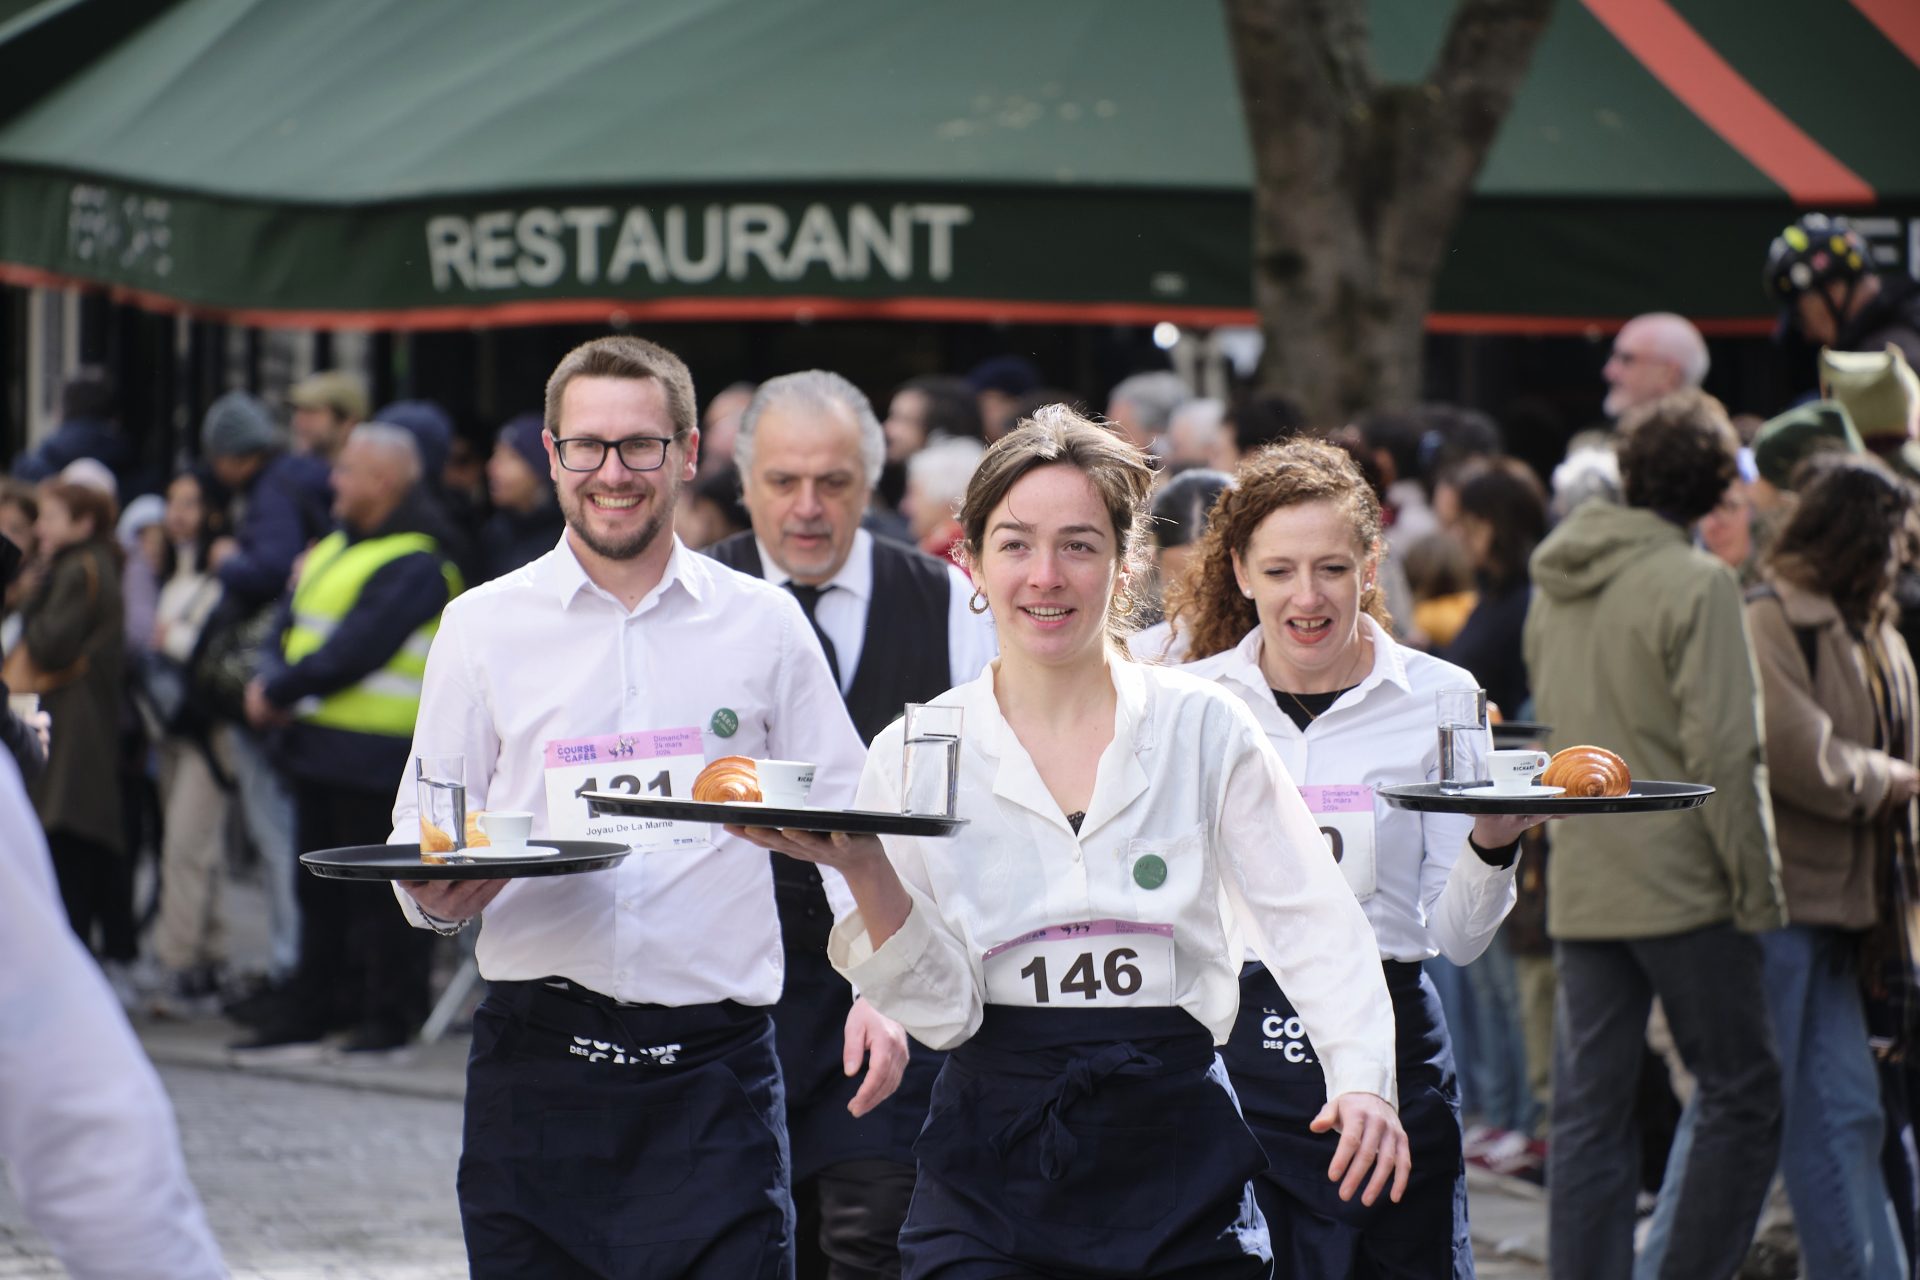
1150	872
724	722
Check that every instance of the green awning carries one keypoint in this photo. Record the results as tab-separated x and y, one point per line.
456	162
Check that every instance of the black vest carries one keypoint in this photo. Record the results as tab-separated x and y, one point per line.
904	658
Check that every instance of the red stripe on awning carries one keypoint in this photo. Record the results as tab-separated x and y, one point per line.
1694	72
1898	20
667	310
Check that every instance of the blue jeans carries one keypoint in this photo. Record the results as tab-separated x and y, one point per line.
1830	1144
266	805
1506	1100
1460	1010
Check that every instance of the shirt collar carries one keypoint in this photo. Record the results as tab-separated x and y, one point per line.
562	570
1121	777
1241	664
855	576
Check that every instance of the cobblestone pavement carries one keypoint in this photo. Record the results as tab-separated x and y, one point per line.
306	1178
304	1181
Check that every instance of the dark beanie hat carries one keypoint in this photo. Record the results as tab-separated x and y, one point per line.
238	424
432	431
522	434
1009	375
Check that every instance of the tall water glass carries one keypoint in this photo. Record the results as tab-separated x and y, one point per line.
1464	740
440	787
930	765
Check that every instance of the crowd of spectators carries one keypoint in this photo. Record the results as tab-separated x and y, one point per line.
1672	1012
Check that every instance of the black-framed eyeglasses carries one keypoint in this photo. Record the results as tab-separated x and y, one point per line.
637	453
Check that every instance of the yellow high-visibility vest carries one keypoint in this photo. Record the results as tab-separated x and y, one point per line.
387	699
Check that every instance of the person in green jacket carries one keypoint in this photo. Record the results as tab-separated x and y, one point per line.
1636	641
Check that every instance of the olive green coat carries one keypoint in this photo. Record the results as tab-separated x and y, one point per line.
1636	641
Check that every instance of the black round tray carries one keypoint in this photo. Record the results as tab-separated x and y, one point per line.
864	822
402	862
1645	797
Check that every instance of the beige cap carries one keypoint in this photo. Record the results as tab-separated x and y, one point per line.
333	389
1880	392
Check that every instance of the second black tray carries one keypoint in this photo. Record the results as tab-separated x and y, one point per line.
1645	797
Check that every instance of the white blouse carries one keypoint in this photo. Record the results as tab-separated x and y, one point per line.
1194	837
1428	894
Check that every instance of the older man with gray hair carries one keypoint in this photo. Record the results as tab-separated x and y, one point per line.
343	678
895	627
1653	355
1143	407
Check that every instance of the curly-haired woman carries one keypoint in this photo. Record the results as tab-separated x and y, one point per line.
1841	714
1282	606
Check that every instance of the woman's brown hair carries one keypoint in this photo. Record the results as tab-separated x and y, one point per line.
85	502
1851	522
1057	436
1205	605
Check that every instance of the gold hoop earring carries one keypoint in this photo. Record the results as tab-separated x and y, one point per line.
977	603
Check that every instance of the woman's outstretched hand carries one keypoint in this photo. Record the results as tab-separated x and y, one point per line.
1370	1139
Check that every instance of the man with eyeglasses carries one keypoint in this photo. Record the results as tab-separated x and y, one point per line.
1653	355
624	1108
895	627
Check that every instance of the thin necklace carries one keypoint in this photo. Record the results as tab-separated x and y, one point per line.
1359	652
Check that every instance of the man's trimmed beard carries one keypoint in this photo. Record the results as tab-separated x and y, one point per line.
573	507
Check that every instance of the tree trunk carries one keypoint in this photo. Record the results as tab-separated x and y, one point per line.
1357	186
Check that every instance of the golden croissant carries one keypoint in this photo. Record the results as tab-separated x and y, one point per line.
728	778
1587	772
435	841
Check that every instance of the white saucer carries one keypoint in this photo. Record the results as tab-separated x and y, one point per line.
1531	792
509	852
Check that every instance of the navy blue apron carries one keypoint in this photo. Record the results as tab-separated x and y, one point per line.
623	1142
1084	1143
1278	1076
810	1025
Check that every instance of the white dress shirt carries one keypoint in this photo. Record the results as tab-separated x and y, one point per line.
1189	780
842	613
1434	896
544	655
85	1127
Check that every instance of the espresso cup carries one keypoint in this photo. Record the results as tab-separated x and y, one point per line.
506	828
1515	770
784	782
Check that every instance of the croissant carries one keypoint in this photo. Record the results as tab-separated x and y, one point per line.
433	841
1587	772
728	778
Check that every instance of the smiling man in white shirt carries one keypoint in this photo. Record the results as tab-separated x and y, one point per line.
624	1106
896	628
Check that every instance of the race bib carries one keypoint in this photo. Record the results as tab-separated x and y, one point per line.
1345	817
1100	964
662	762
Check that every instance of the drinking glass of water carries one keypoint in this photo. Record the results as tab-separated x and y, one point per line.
441	789
1464	738
930	765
